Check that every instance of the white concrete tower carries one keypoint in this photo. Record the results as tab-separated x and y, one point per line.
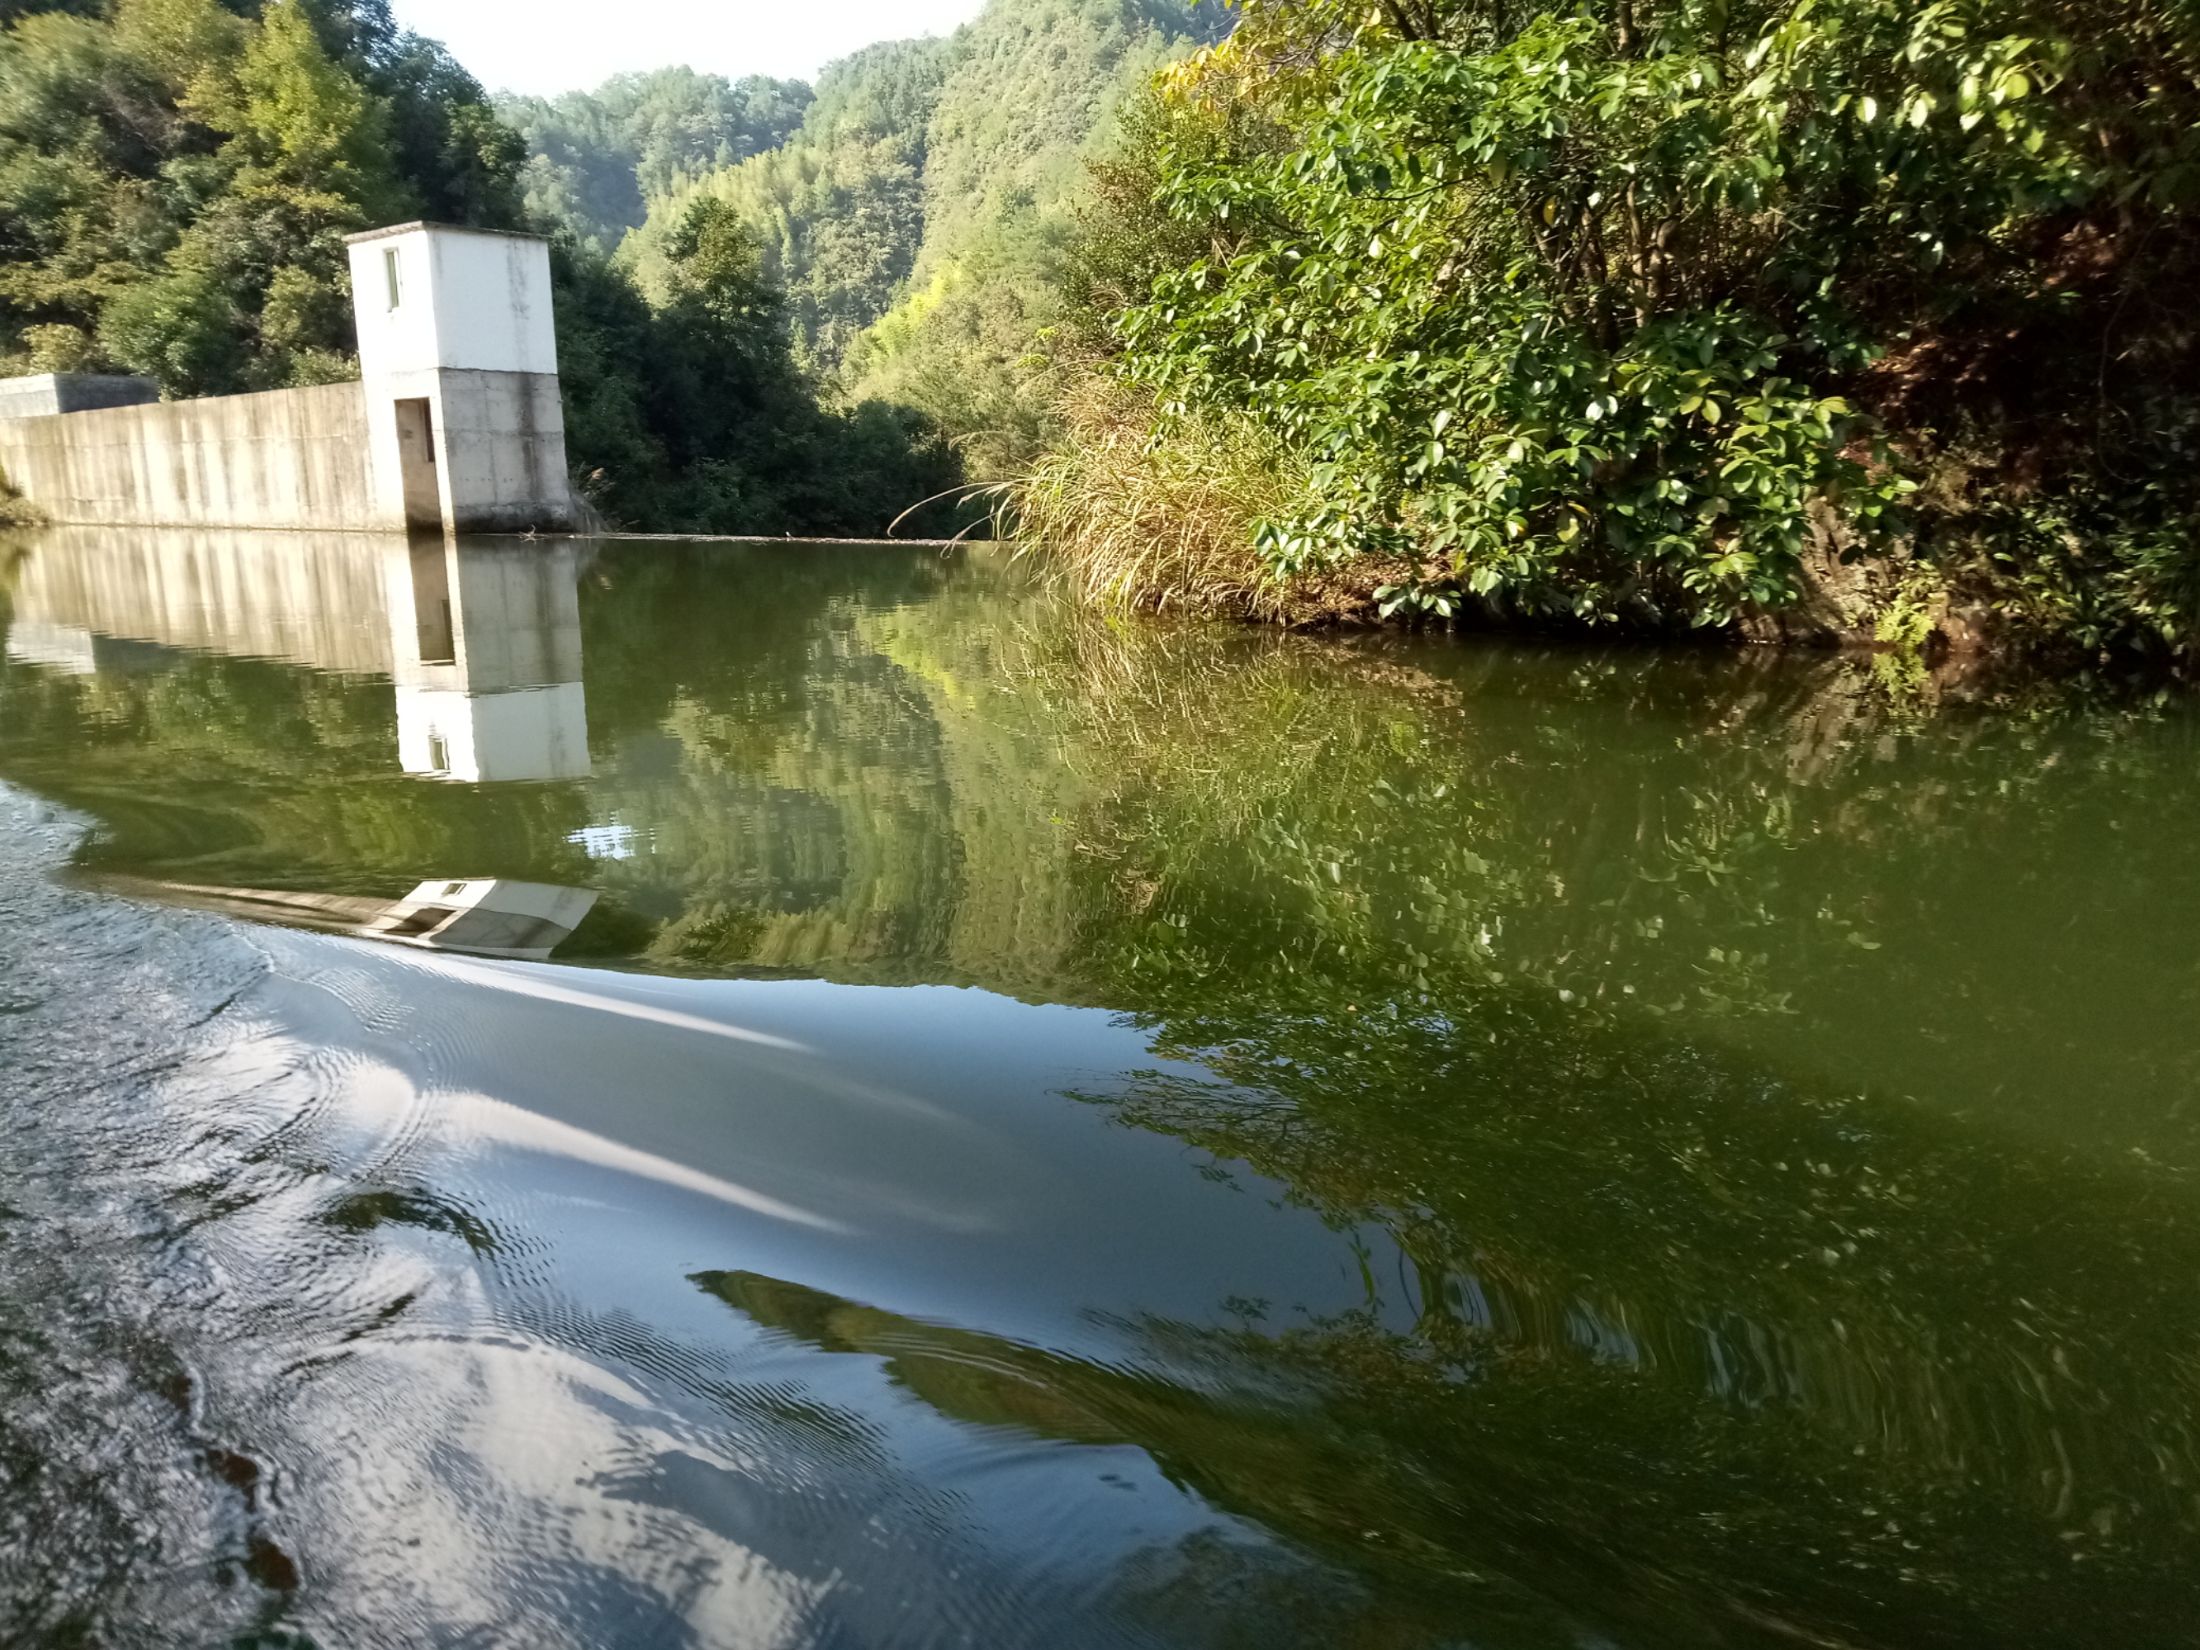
459	362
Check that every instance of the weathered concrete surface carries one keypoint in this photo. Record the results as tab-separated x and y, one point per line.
507	441
283	459
461	319
44	394
499	448
465	299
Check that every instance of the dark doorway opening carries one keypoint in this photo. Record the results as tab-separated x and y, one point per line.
433	629
416	462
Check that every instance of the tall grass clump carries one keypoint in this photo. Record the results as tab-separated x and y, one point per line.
1133	512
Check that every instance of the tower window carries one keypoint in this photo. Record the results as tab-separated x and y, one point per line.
389	275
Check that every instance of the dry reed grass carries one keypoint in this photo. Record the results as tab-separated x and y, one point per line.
1125	520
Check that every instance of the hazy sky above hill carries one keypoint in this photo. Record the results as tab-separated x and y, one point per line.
559	45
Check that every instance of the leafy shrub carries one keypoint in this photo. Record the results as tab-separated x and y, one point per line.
1594	313
691	415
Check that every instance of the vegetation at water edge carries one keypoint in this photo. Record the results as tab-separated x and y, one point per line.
1857	316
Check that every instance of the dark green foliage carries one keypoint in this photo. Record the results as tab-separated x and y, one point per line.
1638	311
445	137
839	209
918	217
176	180
1031	83
180	329
691	414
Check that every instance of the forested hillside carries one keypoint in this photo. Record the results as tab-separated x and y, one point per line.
1033	95
177	178
839	210
596	159
919	215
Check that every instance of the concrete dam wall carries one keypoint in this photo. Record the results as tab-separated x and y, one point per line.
284	458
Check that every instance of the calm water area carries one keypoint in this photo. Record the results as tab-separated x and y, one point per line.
646	1095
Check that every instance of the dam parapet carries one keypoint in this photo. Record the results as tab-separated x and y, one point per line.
42	394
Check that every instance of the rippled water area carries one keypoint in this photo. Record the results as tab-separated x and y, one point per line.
632	1095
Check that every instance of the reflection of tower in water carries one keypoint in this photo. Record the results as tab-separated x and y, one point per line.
481	638
485	652
481	641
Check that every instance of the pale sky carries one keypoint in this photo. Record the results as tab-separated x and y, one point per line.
560	45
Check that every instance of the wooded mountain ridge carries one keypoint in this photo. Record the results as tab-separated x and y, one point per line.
914	208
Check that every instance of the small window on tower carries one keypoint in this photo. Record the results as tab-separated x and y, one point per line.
389	274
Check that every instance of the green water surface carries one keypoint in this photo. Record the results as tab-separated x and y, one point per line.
1751	1101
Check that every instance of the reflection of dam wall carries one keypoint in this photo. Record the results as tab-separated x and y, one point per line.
317	599
482	640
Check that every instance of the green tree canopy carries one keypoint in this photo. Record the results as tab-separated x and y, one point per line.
839	208
917	217
176	180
